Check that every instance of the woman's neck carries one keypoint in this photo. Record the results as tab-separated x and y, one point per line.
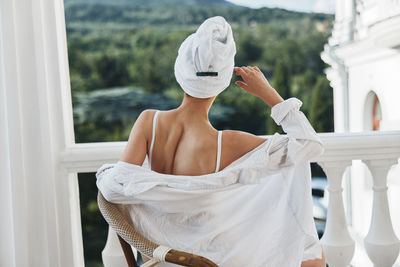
196	108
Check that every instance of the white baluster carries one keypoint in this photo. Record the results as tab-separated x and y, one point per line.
112	254
381	243
337	243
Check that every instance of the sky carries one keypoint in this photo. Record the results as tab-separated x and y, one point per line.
324	6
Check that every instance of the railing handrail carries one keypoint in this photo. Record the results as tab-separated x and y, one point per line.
88	157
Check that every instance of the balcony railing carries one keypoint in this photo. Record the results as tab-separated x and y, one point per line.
378	150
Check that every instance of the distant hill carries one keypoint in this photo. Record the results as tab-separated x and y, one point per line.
165	13
153	2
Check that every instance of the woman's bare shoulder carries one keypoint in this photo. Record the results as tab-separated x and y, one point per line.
239	142
145	122
146	116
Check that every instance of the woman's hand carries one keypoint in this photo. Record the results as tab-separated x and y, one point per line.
256	84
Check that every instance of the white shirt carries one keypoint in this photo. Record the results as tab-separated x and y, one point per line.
257	211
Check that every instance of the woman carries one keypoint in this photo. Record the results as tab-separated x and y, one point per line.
182	141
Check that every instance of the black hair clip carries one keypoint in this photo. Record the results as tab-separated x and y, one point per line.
207	73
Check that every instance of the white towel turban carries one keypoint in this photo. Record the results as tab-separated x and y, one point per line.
210	49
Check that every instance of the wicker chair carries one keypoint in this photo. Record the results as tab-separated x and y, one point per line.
128	237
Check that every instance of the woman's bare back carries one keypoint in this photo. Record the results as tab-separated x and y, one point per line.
187	147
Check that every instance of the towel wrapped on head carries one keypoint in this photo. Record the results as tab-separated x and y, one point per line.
205	61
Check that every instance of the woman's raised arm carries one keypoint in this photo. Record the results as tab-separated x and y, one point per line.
301	142
257	85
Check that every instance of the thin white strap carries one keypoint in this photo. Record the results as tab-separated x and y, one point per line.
153	137
160	252
218	151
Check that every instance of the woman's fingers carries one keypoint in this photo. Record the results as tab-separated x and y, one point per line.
250	70
243	70
241	84
238	71
246	68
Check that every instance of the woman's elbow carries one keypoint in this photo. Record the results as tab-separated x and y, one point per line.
308	150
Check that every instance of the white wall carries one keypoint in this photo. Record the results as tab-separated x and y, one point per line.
382	77
372	65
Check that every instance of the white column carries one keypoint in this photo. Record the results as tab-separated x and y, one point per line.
381	243
349	14
337	33
338	77
337	243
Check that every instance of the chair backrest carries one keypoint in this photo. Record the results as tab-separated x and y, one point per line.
126	232
116	219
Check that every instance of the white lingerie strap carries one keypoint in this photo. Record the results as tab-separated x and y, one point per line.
218	151
153	136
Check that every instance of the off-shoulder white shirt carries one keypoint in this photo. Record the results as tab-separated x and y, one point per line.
256	212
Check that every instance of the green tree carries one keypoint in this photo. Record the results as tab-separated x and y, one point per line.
281	83
112	70
321	112
302	85
249	49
